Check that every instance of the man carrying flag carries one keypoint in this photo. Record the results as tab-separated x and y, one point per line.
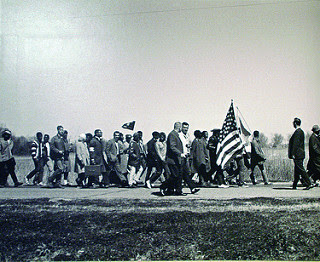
230	145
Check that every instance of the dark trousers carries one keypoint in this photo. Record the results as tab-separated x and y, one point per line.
159	167
116	168
8	167
300	173
59	169
162	166
186	173
37	171
81	179
219	176
174	182
203	175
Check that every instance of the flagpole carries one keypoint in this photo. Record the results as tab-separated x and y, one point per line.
244	119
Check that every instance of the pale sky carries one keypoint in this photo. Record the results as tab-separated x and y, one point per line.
98	64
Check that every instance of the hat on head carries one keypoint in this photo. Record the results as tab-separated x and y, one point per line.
315	128
7	131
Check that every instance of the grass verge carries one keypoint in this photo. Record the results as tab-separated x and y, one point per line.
255	229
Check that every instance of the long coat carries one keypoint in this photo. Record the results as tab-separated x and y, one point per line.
82	157
198	154
314	154
96	149
296	145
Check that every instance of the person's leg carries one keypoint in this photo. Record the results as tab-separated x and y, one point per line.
252	177
11	165
150	166
50	170
3	175
186	174
117	168
241	171
39	175
34	171
131	175
177	178
264	174
220	177
296	176
302	172
202	174
55	178
80	179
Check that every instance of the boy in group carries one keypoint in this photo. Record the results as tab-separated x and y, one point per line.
38	160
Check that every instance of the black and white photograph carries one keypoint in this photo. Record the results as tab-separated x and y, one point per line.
159	130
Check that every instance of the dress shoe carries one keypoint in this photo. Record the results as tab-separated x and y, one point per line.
18	184
195	190
179	194
267	183
308	187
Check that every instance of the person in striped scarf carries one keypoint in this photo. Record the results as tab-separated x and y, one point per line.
37	151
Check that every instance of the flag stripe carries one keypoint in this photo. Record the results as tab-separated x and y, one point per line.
228	139
230	143
235	151
228	149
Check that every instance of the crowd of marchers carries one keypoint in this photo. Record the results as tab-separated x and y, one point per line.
174	159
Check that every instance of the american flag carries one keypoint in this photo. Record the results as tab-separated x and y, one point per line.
229	144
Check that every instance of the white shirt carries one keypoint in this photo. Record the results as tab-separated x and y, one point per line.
186	142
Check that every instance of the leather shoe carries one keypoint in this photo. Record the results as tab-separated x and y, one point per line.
18	184
180	194
308	187
195	190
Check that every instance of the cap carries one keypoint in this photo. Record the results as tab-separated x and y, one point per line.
7	131
315	128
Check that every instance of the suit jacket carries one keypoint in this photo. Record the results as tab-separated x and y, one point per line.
296	145
174	148
111	150
257	155
314	154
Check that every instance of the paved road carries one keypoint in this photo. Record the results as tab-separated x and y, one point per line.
276	190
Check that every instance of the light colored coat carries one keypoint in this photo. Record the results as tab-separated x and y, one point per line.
82	157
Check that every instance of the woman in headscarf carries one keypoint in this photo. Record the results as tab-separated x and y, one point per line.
82	159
